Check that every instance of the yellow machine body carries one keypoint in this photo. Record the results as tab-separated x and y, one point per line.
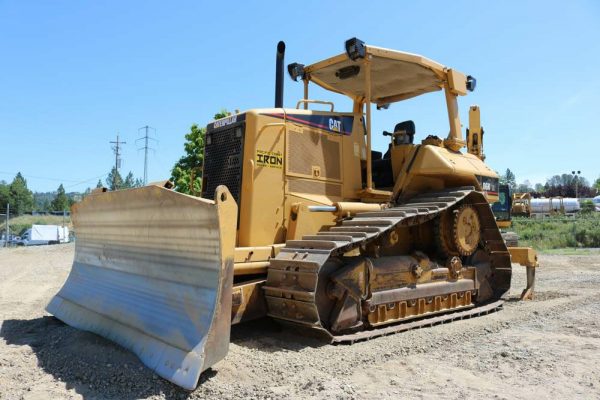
300	220
294	158
521	204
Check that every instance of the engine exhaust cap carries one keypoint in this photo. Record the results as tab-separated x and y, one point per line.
279	74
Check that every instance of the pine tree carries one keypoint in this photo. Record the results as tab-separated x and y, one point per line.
114	180
61	201
20	197
509	179
129	181
4	195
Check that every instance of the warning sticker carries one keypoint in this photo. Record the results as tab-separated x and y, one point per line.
269	159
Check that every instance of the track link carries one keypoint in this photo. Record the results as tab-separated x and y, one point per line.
292	280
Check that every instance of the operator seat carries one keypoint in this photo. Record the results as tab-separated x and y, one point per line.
404	133
383	176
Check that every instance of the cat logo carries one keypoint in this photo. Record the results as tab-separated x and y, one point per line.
335	125
269	159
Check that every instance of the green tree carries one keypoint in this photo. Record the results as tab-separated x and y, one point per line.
61	201
189	167
99	184
597	185
20	197
114	181
129	181
539	187
567	185
509	179
524	187
4	195
587	206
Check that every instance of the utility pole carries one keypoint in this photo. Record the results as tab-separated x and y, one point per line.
145	138
576	177
117	150
7	224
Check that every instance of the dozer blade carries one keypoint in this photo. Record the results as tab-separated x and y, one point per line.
153	271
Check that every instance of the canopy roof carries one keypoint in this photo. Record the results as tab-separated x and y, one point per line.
395	75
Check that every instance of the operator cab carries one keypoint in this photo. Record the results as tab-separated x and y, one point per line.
376	76
383	175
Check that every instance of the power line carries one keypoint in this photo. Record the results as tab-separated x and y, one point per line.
145	138
37	177
77	183
85	181
117	149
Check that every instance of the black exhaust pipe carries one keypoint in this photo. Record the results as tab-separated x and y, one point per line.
279	75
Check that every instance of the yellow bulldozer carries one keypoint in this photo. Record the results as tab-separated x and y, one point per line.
299	220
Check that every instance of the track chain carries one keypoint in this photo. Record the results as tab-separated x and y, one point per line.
291	287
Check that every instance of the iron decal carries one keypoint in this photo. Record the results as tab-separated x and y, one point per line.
269	159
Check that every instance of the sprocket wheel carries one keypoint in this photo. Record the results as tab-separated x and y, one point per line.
443	234
466	230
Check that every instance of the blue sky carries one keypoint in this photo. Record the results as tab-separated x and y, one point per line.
74	74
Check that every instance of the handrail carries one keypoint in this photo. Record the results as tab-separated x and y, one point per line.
306	101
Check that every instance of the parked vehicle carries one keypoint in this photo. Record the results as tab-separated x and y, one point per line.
596	201
44	234
12	240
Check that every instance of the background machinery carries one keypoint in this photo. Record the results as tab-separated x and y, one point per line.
299	220
503	210
521	204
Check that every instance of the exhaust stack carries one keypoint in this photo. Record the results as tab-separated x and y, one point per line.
279	75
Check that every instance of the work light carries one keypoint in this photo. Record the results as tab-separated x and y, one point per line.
355	48
296	71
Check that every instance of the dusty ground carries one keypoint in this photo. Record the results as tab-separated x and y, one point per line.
548	348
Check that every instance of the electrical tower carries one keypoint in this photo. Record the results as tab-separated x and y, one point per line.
117	149
145	138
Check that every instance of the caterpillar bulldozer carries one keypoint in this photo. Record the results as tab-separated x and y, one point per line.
300	220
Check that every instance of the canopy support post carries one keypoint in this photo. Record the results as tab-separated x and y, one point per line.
305	93
368	112
454	141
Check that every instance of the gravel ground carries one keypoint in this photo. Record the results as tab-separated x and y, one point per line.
546	348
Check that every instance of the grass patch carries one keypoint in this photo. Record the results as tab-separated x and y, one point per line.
571	251
18	225
581	231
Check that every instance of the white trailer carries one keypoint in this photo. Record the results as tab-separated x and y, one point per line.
546	206
45	234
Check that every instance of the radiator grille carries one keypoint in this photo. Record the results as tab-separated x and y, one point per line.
223	157
314	187
308	149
